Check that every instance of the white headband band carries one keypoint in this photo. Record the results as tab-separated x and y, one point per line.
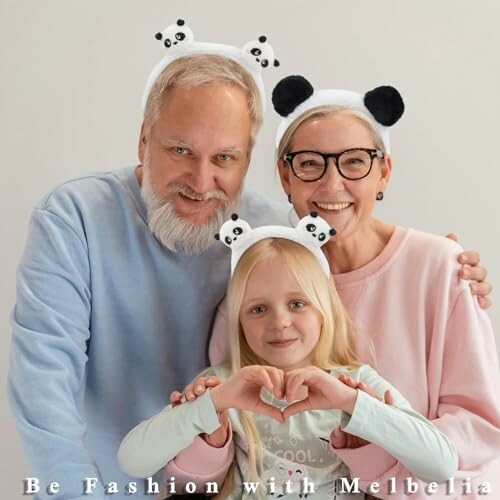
294	95
178	40
311	232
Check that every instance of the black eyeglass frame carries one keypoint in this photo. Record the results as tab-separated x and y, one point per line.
374	153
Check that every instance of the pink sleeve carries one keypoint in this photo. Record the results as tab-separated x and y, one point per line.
467	411
218	349
200	463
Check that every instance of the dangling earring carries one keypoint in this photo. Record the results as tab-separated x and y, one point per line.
380	196
289	198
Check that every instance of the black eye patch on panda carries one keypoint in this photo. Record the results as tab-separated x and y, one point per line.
321	236
180	36
168	43
264	63
237	230
311	228
228	240
256	52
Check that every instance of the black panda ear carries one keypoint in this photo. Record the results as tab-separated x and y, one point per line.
262	38
234	216
217	236
289	93
180	22
313	214
276	63
332	232
385	104
158	36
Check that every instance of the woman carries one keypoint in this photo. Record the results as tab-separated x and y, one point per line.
399	285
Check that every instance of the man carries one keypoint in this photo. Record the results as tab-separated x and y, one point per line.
117	288
119	281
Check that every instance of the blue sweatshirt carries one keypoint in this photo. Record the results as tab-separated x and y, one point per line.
107	323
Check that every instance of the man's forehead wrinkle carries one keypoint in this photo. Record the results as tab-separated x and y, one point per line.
177	142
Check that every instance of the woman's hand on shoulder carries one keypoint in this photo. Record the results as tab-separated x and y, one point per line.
472	270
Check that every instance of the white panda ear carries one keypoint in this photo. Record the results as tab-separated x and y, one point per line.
232	231
314	229
260	51
175	34
289	93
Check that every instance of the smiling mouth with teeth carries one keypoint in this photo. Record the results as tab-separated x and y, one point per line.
192	198
333	206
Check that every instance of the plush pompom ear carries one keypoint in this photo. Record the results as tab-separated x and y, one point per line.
332	232
385	104
289	93
234	216
180	22
217	236
158	36
262	38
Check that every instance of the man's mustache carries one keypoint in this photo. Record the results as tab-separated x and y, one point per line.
190	193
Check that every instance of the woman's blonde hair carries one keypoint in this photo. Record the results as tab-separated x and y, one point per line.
335	345
204	69
322	111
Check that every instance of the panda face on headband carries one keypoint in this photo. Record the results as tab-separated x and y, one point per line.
178	33
232	230
261	51
315	229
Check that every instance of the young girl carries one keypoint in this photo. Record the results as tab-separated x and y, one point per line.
280	399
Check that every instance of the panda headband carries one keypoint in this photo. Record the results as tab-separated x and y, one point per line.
294	95
311	232
178	41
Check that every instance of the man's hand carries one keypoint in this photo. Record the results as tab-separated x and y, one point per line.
218	438
472	270
193	390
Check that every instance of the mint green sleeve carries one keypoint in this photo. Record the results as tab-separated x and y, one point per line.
403	432
154	442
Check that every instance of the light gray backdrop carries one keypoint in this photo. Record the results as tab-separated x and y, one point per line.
73	73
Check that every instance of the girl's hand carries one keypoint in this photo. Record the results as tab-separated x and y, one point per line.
241	391
324	391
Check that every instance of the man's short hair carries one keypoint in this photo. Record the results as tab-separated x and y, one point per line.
204	69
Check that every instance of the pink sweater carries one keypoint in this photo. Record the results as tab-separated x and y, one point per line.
434	344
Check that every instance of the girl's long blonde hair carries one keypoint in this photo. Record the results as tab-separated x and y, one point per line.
335	345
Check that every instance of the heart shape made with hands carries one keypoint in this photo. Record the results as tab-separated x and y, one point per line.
243	391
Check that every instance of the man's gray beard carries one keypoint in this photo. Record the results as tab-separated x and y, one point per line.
171	230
